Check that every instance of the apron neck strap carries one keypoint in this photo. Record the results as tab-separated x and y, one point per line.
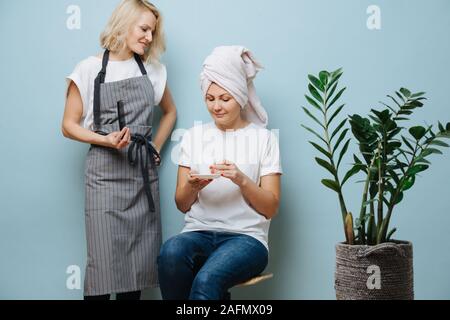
106	59
105	64
100	79
102	73
140	64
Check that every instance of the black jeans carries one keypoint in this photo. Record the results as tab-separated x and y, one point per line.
133	295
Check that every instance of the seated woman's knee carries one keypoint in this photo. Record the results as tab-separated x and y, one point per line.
172	251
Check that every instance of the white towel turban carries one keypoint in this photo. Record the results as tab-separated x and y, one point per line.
234	68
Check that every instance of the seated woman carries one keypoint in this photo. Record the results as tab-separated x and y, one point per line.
225	238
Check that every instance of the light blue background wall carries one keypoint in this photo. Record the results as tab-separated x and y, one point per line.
41	182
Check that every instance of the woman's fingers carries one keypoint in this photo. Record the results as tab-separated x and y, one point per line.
157	160
196	182
123	132
127	136
118	135
224	165
124	137
192	179
119	139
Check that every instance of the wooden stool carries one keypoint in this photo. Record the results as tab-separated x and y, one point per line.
262	277
255	280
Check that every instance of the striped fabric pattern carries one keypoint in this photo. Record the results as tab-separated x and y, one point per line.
123	236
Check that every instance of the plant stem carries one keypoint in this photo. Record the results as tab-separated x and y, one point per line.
372	228
362	212
383	231
382	159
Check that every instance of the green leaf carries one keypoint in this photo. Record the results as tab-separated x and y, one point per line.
343	151
405	92
416	95
399	198
341	137
386	105
417	132
335	76
389	235
315	93
395	101
400	165
429	151
383	116
336	113
393	146
323	76
313	117
416	169
314	133
394	176
408	144
326	165
421	160
333	185
339	127
338	95
408	106
445	134
356	159
441	127
439	143
415	103
351	173
326	153
336	72
313	103
408	183
400	96
316	82
330	94
394	132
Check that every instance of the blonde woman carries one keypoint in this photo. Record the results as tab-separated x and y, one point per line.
229	206
110	104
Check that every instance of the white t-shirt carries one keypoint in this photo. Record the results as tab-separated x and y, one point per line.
87	70
220	206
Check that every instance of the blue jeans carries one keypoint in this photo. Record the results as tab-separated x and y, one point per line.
203	265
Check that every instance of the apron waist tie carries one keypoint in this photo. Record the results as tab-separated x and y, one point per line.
140	144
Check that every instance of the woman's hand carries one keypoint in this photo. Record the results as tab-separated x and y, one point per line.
229	170
118	139
157	157
196	183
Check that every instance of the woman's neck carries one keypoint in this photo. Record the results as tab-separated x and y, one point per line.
121	55
238	124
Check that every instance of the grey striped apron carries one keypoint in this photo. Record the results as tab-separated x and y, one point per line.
123	225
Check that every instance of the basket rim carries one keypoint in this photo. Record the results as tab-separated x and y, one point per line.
401	243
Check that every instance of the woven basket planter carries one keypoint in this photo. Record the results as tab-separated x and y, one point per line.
380	272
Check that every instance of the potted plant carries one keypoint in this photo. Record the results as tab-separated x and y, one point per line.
370	264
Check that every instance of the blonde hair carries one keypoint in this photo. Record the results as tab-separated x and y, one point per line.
120	22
